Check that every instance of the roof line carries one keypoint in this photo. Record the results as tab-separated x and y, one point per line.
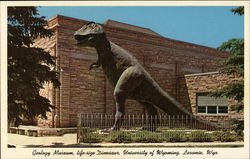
109	20
161	37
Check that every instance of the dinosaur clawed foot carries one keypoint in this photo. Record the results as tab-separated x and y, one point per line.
108	130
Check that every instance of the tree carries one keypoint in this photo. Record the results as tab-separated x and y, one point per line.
234	65
29	68
238	10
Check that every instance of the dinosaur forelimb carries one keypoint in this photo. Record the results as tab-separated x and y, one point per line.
94	65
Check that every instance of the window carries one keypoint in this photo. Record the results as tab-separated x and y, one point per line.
211	105
223	109
212	109
201	109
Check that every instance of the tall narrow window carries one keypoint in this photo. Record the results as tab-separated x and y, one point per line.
211	105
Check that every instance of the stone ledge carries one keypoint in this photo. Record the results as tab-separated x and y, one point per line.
201	74
38	131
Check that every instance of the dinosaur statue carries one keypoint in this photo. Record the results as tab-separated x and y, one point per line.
126	74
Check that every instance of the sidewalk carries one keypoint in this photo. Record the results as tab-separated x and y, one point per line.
44	141
69	140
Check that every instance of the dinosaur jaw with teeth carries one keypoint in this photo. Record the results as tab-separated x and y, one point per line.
83	39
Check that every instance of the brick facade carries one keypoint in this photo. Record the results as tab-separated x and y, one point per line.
194	84
84	91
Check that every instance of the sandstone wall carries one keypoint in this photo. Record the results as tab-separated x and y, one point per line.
193	85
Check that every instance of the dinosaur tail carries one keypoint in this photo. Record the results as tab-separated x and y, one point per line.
162	100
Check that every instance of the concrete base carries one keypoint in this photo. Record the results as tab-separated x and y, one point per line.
39	131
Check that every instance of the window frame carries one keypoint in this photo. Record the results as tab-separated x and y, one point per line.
208	105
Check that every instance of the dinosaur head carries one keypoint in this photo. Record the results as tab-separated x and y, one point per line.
89	34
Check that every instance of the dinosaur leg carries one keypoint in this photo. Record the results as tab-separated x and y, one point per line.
152	113
128	81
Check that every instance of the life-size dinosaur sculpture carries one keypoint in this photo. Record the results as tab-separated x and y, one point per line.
129	78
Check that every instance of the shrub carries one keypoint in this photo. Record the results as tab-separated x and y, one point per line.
240	137
217	135
238	127
119	137
201	136
147	137
162	129
90	138
88	135
225	136
229	137
175	136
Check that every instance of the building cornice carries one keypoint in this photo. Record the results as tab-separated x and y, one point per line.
112	31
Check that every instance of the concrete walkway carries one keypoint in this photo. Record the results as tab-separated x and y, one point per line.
69	140
44	141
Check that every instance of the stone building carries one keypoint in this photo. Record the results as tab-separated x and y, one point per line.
186	71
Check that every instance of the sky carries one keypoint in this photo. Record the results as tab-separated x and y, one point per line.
204	25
